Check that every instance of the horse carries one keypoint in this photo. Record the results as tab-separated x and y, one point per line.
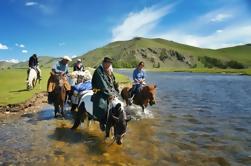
143	98
59	94
32	79
116	116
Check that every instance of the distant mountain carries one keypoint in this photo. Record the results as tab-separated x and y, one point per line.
44	61
160	53
4	64
157	53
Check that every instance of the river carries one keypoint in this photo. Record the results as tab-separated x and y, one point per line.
199	119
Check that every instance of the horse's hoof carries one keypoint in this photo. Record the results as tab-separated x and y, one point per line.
102	127
75	126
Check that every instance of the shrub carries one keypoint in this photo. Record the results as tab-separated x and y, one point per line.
235	65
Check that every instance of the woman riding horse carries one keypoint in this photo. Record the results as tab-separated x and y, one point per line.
140	93
138	80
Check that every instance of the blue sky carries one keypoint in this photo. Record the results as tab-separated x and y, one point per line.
73	27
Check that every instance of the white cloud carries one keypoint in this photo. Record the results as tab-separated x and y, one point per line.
24	51
215	29
31	3
61	44
140	23
11	61
229	36
219	30
220	17
73	56
3	47
45	9
20	45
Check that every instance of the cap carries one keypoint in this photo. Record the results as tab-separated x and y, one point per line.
107	60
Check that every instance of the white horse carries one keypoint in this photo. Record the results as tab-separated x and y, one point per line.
32	79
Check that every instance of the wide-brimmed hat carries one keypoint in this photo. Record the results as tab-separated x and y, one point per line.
67	58
107	60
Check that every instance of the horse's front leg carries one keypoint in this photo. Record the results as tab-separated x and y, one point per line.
107	130
143	107
62	109
79	114
56	109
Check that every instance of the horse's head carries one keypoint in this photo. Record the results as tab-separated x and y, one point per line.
149	93
120	119
58	79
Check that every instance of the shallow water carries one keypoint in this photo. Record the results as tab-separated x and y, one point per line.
199	119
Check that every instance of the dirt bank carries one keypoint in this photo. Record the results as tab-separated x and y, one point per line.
32	104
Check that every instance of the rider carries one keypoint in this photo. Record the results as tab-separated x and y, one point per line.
78	66
83	84
138	79
33	63
103	83
60	67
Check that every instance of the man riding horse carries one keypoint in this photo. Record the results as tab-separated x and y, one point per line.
60	68
33	63
104	88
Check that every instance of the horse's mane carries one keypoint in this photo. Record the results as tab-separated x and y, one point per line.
150	87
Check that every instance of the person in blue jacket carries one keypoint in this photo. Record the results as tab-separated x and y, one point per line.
138	78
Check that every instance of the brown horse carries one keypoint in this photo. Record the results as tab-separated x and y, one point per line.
143	98
58	93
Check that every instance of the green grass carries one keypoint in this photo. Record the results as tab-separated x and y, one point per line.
206	70
122	51
122	79
13	85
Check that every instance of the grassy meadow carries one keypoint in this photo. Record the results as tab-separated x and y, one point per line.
13	85
206	70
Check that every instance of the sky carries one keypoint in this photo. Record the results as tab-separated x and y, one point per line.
74	27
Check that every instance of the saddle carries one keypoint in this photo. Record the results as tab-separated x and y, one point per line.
52	84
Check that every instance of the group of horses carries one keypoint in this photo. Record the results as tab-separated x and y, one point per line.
117	116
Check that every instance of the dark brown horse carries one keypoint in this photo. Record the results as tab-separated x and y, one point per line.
59	93
143	98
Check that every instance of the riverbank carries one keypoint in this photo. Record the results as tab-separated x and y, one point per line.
15	98
206	70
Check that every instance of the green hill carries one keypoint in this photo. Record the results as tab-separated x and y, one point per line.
4	64
160	53
157	53
44	61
